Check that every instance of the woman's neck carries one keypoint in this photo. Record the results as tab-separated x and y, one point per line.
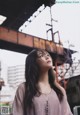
43	78
44	86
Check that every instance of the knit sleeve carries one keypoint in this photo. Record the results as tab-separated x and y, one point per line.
65	108
17	107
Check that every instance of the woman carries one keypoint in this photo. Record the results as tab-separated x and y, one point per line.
40	94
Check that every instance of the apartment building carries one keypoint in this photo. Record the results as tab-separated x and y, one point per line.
16	75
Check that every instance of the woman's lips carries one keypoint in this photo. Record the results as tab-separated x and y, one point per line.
49	61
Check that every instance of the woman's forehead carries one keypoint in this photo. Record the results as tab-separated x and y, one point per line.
42	52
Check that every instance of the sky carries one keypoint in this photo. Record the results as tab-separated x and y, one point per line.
68	24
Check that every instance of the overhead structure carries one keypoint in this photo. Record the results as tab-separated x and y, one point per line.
24	43
18	11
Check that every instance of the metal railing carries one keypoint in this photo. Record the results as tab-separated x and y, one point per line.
76	110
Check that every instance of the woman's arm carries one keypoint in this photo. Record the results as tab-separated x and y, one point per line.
56	82
65	108
17	107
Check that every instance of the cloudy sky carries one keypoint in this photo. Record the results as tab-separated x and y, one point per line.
68	24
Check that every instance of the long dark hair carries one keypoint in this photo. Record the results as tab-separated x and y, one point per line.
32	77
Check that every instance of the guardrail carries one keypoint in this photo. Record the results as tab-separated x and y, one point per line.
76	110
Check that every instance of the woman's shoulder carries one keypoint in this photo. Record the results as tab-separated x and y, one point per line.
21	88
22	85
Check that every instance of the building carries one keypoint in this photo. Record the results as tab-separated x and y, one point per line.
16	75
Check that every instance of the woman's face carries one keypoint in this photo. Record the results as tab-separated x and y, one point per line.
44	60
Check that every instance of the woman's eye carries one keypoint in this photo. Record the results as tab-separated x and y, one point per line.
48	55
